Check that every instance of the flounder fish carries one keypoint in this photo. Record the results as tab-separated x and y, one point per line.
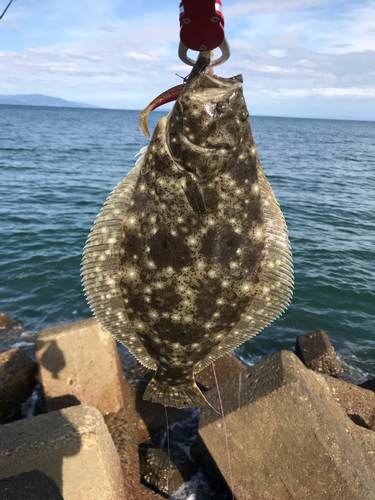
189	256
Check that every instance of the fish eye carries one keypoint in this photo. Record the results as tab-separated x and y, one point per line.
221	107
244	115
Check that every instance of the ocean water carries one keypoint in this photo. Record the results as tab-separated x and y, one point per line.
58	165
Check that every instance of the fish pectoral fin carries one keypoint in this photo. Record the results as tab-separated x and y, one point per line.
194	194
185	395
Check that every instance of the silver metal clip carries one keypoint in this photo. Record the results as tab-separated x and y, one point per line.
225	54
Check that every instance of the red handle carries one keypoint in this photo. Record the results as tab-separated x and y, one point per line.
202	24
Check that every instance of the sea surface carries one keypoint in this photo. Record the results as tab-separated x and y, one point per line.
58	165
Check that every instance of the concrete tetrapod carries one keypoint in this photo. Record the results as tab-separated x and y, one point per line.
72	446
288	438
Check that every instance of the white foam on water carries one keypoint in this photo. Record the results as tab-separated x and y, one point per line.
28	407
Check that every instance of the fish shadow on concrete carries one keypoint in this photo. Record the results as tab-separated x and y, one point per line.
53	360
55	354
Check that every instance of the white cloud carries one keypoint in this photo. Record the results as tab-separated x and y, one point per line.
354	91
142	57
277	52
328	92
242	8
113	55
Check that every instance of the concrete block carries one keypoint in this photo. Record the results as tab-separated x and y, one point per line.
123	429
357	403
225	367
288	438
79	364
32	485
317	353
17	380
72	446
166	472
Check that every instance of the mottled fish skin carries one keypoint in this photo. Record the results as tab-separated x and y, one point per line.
203	257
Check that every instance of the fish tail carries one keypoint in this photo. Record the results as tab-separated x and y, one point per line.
186	395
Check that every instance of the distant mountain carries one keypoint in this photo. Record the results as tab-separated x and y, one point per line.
41	100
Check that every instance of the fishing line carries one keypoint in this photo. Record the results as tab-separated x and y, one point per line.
225	432
169	451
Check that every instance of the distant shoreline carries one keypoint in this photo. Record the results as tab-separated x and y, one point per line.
42	100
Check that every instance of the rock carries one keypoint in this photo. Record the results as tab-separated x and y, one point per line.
317	352
11	333
6	322
72	446
17	380
32	485
288	439
79	364
165	473
225	367
357	403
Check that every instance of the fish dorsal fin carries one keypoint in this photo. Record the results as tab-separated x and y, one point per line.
276	282
100	267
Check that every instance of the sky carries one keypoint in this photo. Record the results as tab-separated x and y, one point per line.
298	58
